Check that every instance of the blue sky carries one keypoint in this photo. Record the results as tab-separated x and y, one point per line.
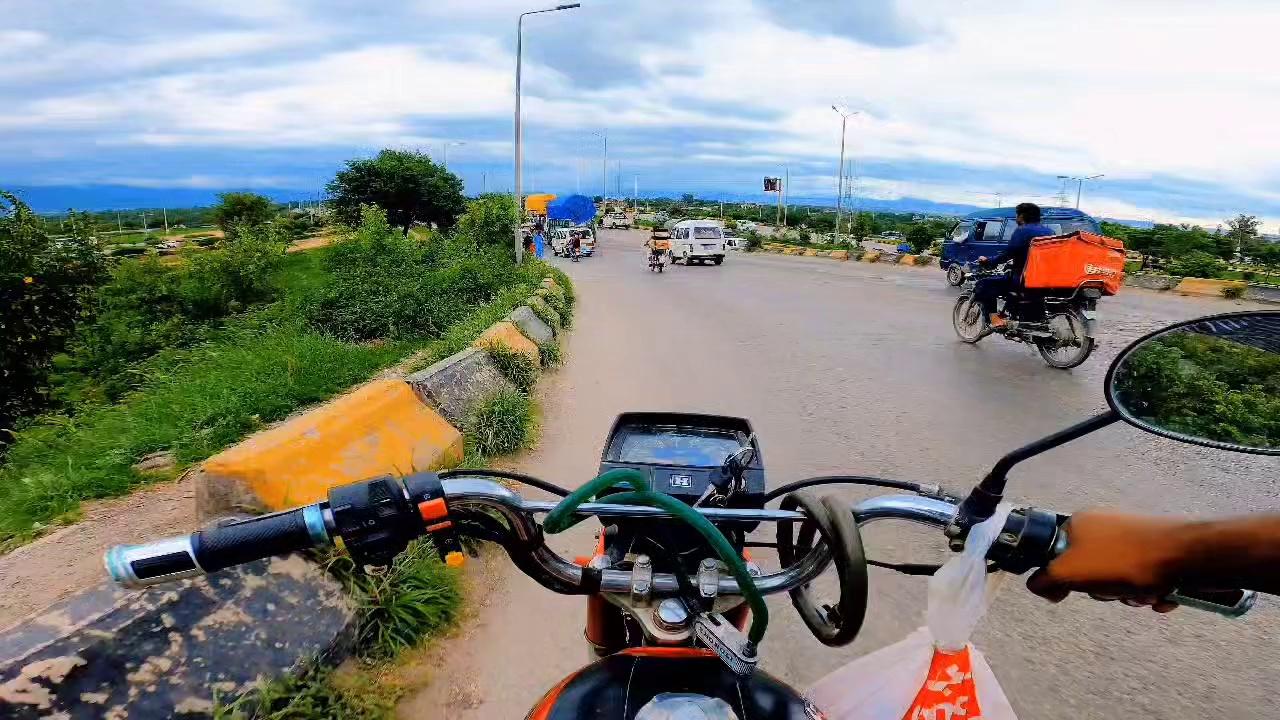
1175	102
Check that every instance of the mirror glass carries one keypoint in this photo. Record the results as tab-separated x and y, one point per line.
1213	381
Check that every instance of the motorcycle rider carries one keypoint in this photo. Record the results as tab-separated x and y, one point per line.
989	289
1140	559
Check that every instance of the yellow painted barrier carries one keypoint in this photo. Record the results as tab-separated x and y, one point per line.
381	427
507	334
839	255
810	253
1208	288
907	260
870	256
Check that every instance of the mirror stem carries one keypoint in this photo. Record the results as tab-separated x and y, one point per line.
982	500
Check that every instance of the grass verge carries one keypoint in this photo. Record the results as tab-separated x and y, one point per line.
503	424
515	366
550	354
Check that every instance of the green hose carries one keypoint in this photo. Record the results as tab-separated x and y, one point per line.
561	518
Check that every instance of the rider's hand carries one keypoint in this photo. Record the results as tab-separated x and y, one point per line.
982	260
1115	556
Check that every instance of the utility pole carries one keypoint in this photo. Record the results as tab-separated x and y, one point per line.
166	220
617	173
786	197
844	119
1079	187
635	193
144	223
484	182
119	222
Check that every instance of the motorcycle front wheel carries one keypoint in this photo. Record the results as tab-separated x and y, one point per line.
955	276
1070	350
968	319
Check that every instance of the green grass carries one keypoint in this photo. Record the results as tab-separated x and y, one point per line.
503	424
550	354
195	402
1258	276
515	366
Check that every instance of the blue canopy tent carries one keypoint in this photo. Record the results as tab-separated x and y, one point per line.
578	209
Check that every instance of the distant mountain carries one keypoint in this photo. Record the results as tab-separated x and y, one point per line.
59	198
1140	224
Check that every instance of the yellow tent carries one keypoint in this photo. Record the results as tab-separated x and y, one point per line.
538	203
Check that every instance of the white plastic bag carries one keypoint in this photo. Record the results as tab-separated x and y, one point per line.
933	674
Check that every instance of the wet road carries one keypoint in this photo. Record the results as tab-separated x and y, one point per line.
854	368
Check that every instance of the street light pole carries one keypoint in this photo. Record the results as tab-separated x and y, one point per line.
446	151
519	139
1079	184
844	119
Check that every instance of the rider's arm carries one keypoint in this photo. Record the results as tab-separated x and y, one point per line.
1019	244
1144	557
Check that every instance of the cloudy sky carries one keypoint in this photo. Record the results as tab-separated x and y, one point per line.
1177	103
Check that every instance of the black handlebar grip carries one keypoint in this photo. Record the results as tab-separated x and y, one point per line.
241	541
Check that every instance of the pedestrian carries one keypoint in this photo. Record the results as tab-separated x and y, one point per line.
538	243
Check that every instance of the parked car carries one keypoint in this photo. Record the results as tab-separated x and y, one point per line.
987	233
732	241
617	220
697	241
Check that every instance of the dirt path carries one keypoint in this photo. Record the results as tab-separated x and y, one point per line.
70	559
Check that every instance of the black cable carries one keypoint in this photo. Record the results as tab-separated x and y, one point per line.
507	475
843	480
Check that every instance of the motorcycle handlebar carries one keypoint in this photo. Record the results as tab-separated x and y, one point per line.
1031	538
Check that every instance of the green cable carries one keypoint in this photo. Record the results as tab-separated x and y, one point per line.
561	518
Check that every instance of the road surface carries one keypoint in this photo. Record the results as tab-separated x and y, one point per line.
854	368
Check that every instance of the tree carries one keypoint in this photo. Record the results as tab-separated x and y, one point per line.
242	209
408	186
490	220
920	235
44	284
863	226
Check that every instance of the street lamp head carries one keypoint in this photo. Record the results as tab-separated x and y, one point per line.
569	6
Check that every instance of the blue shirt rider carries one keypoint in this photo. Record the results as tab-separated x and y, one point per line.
987	290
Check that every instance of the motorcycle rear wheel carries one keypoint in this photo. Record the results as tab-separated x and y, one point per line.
1065	356
968	319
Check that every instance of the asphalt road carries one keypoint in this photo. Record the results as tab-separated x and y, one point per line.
854	368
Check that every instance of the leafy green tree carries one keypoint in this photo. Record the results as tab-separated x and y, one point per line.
920	235
408	185
44	285
1197	263
863	226
490	220
242	209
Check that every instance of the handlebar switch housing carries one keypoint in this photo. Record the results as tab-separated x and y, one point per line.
426	492
1026	542
375	519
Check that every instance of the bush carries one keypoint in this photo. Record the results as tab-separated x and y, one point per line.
1248	275
238	210
490	220
550	354
45	285
388	285
924	260
514	366
1234	292
148	305
1197	264
502	424
751	241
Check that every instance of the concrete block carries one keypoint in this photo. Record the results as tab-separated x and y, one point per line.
1204	287
456	385
889	258
839	255
1152	281
810	253
164	652
531	325
381	427
870	256
507	334
907	260
537	303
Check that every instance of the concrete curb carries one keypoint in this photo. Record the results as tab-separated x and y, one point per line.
531	325
165	652
457	385
505	333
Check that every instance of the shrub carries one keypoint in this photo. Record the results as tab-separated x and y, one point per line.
924	260
1248	275
388	285
238	210
416	595
751	241
490	220
148	305
502	424
1233	292
1197	263
515	366
44	287
551	354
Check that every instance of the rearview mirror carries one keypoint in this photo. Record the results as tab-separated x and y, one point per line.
1213	381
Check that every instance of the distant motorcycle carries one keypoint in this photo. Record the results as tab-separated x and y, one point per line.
1060	323
656	262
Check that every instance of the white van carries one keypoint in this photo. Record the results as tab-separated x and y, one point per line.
697	241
